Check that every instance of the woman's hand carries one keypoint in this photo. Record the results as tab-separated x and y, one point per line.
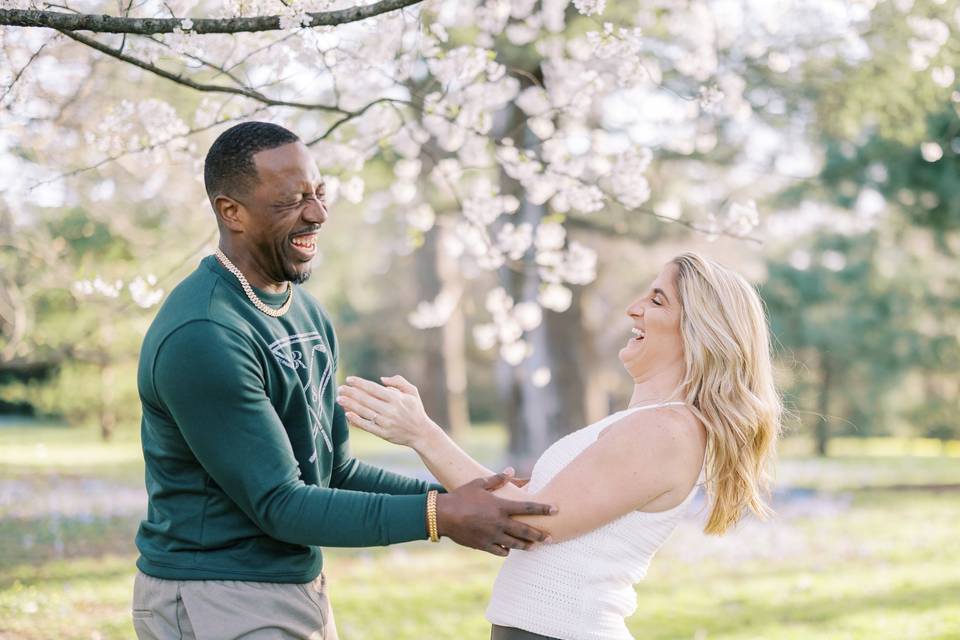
393	412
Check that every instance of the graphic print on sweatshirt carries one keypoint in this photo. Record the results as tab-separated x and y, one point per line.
300	352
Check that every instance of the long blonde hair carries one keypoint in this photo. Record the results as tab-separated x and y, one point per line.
729	384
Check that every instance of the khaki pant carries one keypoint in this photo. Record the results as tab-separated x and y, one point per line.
228	609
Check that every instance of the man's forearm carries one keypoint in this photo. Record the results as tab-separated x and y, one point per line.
357	475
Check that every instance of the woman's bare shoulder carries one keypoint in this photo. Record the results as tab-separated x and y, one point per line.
674	431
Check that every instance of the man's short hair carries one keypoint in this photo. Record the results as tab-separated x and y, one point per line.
229	168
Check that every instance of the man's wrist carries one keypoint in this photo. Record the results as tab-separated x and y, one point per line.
433	531
442	499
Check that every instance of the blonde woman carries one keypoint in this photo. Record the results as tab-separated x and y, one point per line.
704	410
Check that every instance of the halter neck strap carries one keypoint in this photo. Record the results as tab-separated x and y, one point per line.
674	403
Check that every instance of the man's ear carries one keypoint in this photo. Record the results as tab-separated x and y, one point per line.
229	212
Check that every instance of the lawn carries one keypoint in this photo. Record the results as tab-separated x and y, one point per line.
854	553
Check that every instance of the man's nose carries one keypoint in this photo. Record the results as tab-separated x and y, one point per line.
316	212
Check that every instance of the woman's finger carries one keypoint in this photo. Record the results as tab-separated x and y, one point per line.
366	425
371	388
362	398
399	382
356	408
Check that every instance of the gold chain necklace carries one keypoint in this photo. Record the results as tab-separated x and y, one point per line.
247	289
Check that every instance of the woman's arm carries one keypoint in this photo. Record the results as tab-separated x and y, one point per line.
644	456
395	413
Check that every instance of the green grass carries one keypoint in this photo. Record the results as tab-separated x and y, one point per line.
888	568
28	449
849	564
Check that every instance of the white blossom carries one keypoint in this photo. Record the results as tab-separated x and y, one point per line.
931	151
550	236
435	313
498	302
555	297
407	169
143	293
98	287
628	183
541	377
403	192
352	189
514	240
943	76
421	217
710	97
528	315
461	65
439	32
742	218
485	336
533	101
590	7
930	36
515	352
833	260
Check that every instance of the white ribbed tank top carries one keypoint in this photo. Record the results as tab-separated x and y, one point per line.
582	589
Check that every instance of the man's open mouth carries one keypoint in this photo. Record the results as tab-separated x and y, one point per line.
305	244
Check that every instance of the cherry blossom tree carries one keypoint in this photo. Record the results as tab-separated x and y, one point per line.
510	125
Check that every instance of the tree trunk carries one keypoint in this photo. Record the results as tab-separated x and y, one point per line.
536	416
454	344
822	432
443	375
108	418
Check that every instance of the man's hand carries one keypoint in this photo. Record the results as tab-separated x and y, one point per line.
472	516
517	482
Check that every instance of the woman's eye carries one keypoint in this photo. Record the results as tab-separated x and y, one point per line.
656	302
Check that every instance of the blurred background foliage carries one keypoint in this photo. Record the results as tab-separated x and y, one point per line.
857	262
856	257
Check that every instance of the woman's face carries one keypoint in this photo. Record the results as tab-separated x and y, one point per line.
655	341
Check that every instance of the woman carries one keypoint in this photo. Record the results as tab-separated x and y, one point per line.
703	406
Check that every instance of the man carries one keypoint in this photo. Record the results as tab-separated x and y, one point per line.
248	467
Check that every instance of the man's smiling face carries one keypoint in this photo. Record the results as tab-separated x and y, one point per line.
284	212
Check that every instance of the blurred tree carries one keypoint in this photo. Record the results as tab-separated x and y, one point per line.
600	99
834	310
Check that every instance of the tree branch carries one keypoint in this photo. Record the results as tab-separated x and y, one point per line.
187	82
150	147
148	26
350	115
20	73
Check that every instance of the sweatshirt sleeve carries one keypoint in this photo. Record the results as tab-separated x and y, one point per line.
356	475
210	381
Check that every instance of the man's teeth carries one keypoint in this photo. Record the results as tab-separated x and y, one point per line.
638	333
304	243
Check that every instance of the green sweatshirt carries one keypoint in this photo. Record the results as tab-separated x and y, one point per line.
248	465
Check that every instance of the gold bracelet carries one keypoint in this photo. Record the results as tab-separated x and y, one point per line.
432	516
